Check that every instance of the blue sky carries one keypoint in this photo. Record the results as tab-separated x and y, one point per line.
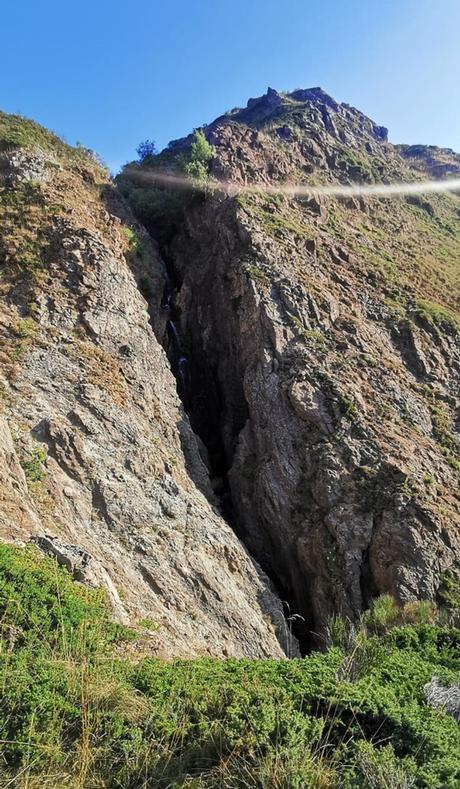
111	73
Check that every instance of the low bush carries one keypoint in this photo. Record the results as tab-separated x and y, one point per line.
159	206
75	711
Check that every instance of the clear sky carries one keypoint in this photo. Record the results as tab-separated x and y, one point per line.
110	73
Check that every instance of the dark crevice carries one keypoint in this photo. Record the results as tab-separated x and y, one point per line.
199	389
218	425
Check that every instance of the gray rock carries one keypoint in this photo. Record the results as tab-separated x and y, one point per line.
443	697
123	498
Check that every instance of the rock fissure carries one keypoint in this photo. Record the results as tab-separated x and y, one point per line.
323	501
218	420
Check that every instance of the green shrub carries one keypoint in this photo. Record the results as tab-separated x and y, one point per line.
196	165
135	244
46	610
33	468
159	206
449	595
378	768
385	614
74	712
146	149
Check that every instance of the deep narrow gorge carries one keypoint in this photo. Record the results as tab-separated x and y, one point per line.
322	456
217	409
230	458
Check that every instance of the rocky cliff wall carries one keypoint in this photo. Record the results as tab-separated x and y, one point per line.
323	343
99	465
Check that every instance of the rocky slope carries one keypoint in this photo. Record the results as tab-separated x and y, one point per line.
316	348
322	337
98	463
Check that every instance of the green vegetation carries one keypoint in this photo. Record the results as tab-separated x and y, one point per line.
135	244
16	340
358	166
17	132
277	225
256	273
314	339
25	226
148	624
413	250
33	468
347	407
158	206
25	328
146	149
437	316
196	164
77	711
274	219
444	437
449	595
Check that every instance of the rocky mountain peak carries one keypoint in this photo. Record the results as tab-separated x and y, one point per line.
316	330
236	410
293	136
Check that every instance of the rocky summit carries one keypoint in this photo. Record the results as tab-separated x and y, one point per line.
236	410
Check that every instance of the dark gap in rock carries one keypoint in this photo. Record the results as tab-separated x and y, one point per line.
199	388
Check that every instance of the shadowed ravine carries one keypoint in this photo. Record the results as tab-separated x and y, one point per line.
204	401
315	327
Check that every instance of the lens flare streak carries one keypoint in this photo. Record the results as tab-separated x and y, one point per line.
303	190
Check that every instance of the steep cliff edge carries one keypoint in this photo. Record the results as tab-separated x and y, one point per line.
323	342
98	463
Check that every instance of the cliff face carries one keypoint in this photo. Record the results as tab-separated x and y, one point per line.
315	345
99	465
323	342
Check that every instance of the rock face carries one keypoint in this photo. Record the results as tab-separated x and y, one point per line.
316	347
99	466
324	350
446	698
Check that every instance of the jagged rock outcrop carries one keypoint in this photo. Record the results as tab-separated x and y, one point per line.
324	346
99	466
445	697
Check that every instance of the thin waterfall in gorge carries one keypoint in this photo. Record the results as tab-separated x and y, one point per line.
178	357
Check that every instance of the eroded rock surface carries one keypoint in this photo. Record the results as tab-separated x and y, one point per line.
316	347
323	338
99	466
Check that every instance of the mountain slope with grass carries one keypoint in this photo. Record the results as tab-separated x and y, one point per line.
322	336
80	708
229	435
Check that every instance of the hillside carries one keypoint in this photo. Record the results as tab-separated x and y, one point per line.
98	463
229	459
323	342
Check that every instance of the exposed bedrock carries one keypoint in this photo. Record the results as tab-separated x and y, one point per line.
322	486
98	464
